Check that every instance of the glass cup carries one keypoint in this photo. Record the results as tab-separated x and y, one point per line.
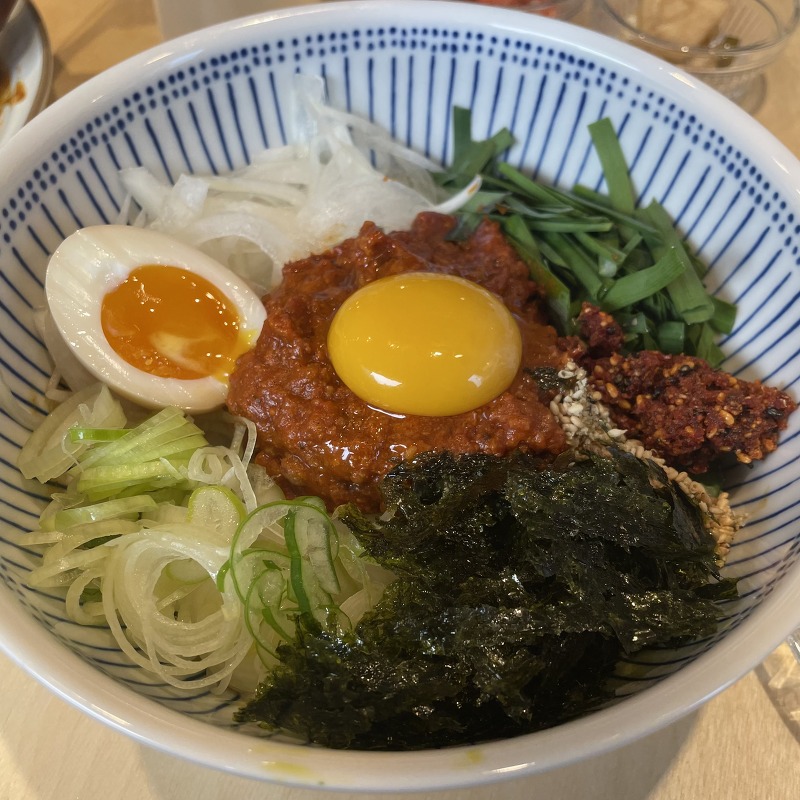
725	43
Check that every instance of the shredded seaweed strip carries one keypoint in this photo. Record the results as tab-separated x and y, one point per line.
585	246
520	585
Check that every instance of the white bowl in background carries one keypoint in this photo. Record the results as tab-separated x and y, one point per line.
208	102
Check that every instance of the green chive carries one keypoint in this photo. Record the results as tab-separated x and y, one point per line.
692	301
615	168
635	286
671	337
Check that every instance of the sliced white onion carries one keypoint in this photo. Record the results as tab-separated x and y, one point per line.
292	201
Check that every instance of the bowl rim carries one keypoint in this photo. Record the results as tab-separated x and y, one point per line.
36	650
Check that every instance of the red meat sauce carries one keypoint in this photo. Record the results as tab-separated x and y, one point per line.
315	436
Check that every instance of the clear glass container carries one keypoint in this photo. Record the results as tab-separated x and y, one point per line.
725	43
780	676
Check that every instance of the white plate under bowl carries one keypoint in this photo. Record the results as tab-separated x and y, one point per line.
206	103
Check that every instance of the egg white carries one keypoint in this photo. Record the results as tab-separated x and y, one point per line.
95	260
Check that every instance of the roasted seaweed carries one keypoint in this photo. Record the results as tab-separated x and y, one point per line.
520	586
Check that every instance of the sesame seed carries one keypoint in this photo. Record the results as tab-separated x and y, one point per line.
586	421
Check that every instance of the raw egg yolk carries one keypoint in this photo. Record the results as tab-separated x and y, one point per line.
424	343
172	323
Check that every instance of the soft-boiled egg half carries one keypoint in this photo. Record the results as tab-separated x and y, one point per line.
425	343
158	321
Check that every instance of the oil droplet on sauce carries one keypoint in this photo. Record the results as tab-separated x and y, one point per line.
172	323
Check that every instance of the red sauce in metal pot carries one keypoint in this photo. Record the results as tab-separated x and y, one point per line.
10	94
314	435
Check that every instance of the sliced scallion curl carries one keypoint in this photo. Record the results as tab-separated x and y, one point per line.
87	535
222	466
145	559
25	415
167	434
153	539
118	508
216	507
48	452
291	558
80	609
102	482
63	571
191	636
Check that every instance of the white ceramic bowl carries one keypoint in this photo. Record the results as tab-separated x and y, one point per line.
208	102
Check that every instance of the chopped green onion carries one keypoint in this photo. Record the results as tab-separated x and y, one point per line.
469	157
581	245
724	315
705	345
109	509
615	167
635	286
49	452
580	264
83	434
671	337
557	292
692	302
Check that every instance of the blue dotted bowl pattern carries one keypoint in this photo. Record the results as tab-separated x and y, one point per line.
210	109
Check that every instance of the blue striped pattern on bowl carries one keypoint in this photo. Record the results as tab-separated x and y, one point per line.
215	100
